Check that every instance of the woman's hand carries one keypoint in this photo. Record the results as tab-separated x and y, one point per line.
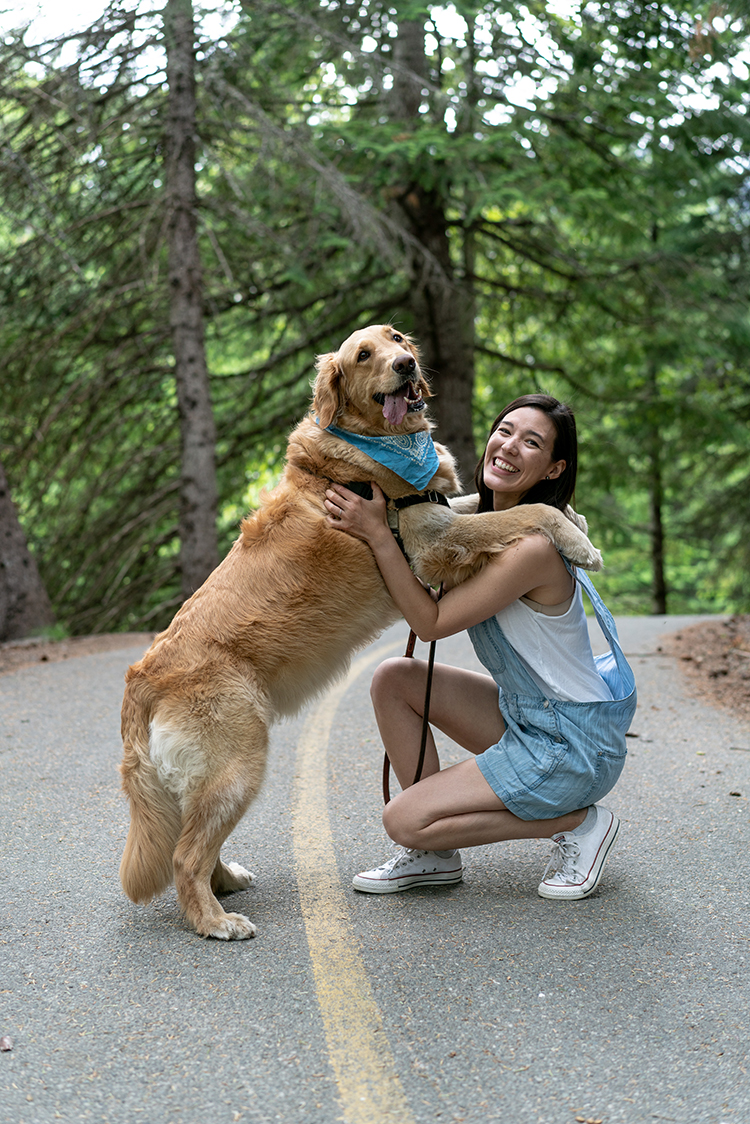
364	519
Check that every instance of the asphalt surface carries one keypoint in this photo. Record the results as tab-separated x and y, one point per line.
479	1002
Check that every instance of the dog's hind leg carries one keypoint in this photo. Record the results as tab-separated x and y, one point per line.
213	807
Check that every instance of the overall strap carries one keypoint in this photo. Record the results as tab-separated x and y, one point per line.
603	615
606	622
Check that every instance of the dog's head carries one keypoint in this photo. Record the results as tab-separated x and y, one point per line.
372	384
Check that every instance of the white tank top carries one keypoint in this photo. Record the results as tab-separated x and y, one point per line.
556	650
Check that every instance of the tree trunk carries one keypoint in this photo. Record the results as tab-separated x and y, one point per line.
656	497
198	497
24	605
442	303
442	309
659	585
658	578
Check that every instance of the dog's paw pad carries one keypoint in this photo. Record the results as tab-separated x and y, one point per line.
233	927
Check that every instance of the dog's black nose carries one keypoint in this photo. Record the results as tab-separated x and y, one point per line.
404	364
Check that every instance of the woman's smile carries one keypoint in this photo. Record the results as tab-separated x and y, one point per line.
503	465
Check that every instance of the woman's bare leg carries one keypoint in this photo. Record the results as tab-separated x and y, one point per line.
454	807
457	808
463	706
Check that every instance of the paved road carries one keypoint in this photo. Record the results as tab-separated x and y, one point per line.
481	1002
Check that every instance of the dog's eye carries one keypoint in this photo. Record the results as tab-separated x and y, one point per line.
398	339
362	356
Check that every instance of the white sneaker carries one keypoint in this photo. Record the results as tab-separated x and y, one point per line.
577	861
410	868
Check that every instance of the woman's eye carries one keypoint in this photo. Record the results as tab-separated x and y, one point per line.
362	356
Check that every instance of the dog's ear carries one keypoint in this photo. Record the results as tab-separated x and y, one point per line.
327	398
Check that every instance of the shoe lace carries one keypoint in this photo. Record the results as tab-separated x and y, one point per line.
563	859
401	853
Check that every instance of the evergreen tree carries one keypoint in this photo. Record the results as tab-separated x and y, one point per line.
543	199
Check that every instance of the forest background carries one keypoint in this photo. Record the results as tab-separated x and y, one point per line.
196	202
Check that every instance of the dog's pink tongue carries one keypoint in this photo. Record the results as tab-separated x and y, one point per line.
394	410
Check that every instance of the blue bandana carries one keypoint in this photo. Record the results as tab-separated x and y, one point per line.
411	456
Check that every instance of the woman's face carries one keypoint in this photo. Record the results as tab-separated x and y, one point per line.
519	455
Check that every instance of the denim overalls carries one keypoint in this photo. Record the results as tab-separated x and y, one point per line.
555	756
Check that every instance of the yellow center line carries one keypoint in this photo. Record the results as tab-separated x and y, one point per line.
358	1049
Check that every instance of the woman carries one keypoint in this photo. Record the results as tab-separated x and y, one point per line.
557	738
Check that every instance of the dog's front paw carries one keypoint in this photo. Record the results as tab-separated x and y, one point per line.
587	556
573	543
232	927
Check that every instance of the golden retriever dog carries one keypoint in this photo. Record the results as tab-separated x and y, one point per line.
279	619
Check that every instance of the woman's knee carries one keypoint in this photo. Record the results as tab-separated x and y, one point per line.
396	677
400	823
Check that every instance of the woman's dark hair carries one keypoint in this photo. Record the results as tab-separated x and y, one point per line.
557	492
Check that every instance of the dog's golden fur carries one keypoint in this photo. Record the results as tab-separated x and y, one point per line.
278	620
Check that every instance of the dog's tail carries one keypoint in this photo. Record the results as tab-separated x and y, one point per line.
155	817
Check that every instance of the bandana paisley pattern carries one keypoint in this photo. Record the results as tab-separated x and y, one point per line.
411	456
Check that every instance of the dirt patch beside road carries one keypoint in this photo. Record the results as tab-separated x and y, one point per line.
715	658
23	653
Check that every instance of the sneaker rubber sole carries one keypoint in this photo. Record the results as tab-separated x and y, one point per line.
406	881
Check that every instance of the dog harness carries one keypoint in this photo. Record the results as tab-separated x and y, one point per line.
363	489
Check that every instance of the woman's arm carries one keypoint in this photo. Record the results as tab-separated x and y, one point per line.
527	566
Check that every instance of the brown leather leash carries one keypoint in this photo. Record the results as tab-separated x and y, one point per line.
408	654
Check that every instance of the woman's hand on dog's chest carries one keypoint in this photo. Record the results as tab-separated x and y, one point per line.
365	519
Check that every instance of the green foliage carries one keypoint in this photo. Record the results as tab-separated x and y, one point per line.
591	169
